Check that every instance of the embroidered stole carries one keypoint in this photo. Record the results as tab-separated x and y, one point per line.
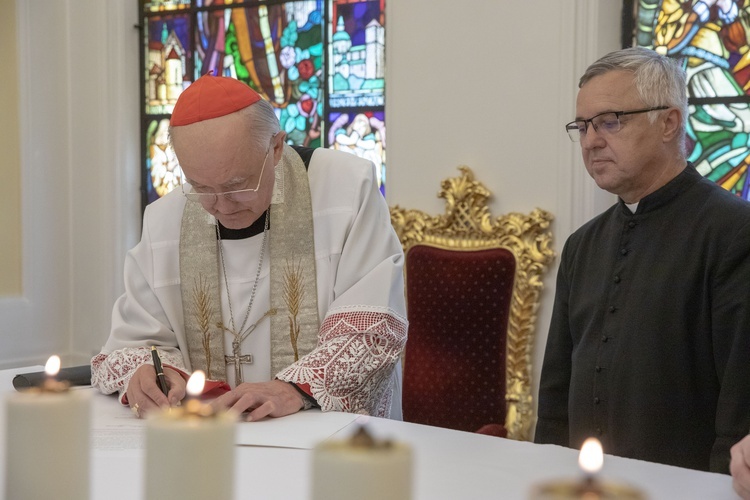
294	327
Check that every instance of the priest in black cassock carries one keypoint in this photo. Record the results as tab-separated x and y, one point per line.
649	343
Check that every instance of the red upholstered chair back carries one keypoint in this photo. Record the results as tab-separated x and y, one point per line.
472	290
458	304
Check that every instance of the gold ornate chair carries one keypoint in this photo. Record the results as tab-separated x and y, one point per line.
472	290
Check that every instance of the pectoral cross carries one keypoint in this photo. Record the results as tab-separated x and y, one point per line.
237	358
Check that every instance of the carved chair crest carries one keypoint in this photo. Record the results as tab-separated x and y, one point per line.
468	225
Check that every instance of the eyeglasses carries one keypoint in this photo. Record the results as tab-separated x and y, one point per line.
239	196
603	123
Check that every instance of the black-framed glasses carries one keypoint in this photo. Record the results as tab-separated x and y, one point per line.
238	196
603	123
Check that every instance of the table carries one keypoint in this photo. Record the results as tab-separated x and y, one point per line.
448	464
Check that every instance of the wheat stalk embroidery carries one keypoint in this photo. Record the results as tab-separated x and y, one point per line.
293	295
203	311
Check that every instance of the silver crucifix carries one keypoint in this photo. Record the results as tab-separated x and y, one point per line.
237	358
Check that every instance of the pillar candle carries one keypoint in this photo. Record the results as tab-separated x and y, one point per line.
190	451
361	468
47	439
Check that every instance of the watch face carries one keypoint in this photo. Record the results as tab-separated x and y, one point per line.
308	403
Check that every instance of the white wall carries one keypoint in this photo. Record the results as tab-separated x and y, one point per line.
39	320
486	83
78	108
490	84
104	140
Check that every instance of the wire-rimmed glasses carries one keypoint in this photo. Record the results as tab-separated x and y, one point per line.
606	123
238	196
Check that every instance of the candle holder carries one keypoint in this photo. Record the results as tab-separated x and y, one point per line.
363	468
190	450
590	460
587	489
47	440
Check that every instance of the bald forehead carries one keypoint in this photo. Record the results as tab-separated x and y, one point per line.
218	153
228	127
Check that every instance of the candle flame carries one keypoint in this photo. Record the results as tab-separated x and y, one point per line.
52	366
591	457
195	383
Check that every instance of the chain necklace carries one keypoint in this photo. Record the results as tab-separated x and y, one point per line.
239	336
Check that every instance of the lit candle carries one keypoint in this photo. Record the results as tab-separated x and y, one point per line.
590	459
190	450
361	468
47	439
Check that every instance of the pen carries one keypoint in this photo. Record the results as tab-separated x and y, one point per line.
159	371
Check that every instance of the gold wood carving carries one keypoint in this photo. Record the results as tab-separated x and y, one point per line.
468	225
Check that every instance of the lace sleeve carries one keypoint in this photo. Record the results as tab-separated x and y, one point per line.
351	369
111	372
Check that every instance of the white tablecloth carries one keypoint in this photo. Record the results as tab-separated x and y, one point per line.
449	465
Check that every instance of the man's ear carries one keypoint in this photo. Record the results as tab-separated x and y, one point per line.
672	120
278	146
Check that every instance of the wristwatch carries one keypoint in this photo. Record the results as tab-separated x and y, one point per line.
308	402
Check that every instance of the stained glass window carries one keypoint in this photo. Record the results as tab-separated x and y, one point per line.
319	62
710	38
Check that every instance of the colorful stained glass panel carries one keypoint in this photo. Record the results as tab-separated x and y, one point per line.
357	54
311	59
711	42
167	57
361	133
277	50
165	5
163	171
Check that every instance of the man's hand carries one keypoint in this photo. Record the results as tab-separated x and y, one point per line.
144	394
264	399
740	467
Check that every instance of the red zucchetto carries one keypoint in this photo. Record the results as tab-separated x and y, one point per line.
211	97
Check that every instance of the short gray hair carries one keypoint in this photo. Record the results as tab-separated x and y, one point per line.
262	123
659	80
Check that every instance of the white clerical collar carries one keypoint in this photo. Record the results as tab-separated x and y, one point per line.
632	206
